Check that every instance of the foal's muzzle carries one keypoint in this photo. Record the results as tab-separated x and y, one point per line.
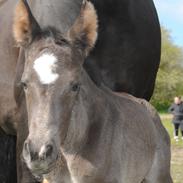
39	159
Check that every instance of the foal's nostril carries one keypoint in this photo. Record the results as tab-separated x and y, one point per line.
32	153
26	147
45	152
29	151
49	150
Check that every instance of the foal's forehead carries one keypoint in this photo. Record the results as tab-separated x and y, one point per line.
50	61
46	68
50	67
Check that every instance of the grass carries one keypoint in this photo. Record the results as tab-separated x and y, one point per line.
177	150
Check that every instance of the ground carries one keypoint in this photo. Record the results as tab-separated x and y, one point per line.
177	151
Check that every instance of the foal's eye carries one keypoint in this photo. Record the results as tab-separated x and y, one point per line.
75	87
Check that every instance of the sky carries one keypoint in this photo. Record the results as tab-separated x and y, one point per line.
171	16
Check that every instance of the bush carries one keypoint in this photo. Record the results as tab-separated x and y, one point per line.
169	82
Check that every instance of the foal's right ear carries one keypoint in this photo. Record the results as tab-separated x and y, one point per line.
25	25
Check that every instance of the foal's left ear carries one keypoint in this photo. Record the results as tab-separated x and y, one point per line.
25	25
83	34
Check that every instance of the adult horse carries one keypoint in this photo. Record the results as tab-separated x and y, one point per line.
101	136
126	58
127	54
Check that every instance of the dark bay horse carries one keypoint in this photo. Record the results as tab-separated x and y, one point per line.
102	137
118	59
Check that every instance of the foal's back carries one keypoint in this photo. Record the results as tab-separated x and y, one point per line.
141	115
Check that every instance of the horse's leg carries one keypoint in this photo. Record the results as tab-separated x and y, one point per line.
7	158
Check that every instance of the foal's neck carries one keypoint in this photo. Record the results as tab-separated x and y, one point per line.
86	112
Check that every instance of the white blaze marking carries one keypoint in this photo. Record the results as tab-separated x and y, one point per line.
45	66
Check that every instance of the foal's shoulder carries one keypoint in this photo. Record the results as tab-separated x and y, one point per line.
130	98
141	102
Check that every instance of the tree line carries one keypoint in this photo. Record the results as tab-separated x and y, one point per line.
169	82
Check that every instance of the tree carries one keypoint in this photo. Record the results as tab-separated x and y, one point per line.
169	81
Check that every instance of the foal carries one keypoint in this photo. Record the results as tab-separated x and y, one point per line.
99	136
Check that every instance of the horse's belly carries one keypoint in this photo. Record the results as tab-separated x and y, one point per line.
7	108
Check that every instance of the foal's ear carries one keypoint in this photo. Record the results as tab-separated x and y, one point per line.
84	31
25	26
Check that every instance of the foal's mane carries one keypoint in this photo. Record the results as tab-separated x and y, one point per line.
51	32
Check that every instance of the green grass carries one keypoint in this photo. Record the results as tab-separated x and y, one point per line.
177	150
169	126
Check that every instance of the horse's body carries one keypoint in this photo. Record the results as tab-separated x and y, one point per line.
119	62
8	60
127	54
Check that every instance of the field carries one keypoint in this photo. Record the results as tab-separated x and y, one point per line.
177	151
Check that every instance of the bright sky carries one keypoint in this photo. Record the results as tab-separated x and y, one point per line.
171	16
